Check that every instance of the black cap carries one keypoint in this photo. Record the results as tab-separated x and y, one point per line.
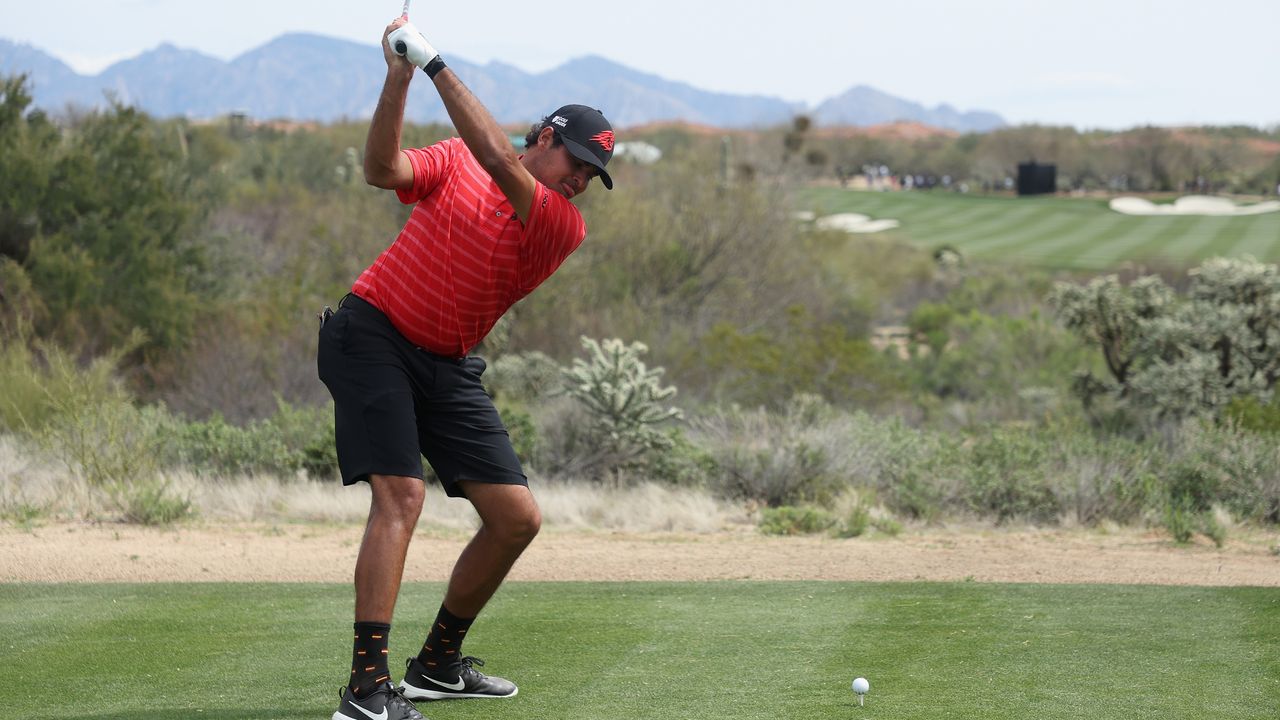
587	134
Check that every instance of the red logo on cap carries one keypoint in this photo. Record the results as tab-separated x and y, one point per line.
605	139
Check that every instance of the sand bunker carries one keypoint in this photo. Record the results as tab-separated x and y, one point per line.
1192	205
855	223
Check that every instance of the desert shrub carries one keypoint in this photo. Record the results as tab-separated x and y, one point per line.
152	501
1212	464
522	430
1007	368
1179	520
1249	413
219	447
294	439
309	437
887	525
683	462
774	458
810	452
524	377
855	522
112	444
1214	529
41	382
810	355
1008	475
790	520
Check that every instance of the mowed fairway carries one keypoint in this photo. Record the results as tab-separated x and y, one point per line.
660	650
1054	232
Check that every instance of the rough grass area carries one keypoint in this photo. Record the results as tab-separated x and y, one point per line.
663	650
1052	231
34	490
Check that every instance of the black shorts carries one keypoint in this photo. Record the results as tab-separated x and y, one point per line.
394	403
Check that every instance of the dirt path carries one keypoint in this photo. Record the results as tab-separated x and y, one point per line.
316	553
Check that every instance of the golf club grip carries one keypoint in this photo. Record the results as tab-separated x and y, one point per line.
401	48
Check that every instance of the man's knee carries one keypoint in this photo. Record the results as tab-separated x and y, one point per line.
517	527
397	498
525	526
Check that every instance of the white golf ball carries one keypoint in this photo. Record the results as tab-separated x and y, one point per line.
861	686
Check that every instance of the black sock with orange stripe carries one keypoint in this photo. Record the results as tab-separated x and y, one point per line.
443	647
369	658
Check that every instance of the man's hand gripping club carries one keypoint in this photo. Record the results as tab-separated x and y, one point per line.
407	41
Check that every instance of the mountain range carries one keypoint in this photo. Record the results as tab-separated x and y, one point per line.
311	77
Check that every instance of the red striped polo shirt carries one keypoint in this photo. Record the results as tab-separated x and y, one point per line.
464	258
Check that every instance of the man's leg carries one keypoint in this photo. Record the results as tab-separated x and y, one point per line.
509	519
393	515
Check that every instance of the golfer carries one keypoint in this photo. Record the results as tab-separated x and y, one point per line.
488	226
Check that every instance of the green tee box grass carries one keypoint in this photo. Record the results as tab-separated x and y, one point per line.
1052	231
660	650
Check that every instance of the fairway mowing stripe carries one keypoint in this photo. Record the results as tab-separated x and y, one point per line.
858	201
1273	252
1225	238
958	220
1261	239
940	209
996	225
1122	248
1083	236
1047	226
1190	245
1155	248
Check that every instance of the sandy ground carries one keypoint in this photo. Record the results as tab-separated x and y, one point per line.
326	553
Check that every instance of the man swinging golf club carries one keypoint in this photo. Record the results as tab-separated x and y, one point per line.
488	226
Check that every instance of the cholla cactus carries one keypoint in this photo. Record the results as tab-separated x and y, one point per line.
1181	356
622	394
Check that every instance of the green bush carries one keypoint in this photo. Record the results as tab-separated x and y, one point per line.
524	377
855	522
1248	413
887	525
42	384
1180	520
1220	464
152	502
790	520
293	439
521	429
774	458
684	463
1008	475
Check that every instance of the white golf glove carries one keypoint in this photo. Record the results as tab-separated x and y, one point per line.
407	41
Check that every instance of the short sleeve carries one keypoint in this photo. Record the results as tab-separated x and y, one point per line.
429	167
554	230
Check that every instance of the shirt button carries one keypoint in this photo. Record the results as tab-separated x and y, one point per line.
499	213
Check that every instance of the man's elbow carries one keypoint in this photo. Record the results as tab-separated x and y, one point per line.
379	176
498	162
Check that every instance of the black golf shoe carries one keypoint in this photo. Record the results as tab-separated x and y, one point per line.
385	703
461	680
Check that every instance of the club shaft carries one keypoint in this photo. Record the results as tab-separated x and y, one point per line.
405	12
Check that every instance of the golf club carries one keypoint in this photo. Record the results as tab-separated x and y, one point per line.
404	13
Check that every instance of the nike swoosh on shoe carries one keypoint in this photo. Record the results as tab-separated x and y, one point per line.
372	716
457	686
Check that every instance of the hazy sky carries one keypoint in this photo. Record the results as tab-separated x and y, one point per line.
1089	63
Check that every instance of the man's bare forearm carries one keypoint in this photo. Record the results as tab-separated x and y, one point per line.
382	146
477	128
486	140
